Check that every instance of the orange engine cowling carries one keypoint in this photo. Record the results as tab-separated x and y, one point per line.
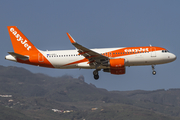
117	63
117	66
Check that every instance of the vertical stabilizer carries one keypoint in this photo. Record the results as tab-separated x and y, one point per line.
24	50
21	44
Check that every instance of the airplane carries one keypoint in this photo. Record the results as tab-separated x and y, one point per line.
112	60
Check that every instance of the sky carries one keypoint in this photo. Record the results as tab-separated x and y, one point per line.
98	24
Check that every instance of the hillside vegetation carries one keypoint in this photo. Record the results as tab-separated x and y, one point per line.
25	95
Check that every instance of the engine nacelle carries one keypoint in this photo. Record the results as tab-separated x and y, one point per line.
117	66
118	71
117	63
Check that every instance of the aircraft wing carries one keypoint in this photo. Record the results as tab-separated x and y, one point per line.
22	57
91	55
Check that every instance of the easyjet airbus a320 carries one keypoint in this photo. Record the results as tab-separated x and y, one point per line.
112	60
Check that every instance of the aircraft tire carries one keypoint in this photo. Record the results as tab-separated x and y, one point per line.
154	72
96	77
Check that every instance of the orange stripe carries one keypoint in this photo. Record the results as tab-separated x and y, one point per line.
76	62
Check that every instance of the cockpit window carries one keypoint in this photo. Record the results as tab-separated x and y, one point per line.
165	51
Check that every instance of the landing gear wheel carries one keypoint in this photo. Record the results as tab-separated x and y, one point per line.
96	77
154	72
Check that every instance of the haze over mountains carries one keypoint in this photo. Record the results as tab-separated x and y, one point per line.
40	97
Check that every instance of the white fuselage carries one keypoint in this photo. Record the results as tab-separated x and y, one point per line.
63	58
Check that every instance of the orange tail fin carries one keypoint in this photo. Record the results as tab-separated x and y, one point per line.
19	41
24	50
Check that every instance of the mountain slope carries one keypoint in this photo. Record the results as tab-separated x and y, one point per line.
35	95
11	114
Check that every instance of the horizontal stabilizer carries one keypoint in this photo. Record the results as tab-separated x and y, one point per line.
19	56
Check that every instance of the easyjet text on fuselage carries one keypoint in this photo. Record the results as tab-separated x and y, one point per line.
137	50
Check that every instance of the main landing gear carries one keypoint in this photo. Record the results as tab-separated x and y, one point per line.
96	74
153	72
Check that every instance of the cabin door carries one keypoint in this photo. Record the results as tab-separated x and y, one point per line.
153	52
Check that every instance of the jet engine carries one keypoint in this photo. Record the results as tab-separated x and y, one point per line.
117	66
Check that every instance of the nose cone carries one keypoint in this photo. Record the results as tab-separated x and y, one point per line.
172	57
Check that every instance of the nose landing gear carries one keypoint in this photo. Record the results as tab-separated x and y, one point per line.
153	72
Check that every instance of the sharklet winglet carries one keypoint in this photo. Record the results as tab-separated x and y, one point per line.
71	38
